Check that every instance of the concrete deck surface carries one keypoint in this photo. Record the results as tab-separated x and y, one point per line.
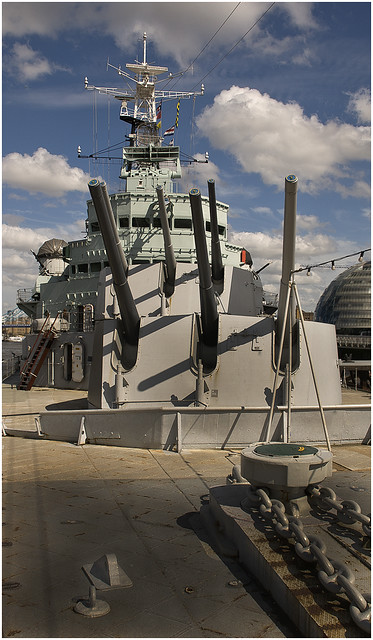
65	506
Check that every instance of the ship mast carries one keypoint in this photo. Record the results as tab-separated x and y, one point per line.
138	104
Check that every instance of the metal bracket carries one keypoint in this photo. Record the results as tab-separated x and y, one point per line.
82	437
106	574
38	427
178	431
92	608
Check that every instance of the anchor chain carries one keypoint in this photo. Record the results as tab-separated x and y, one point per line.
348	511
334	576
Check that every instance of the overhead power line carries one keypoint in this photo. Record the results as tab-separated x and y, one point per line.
211	39
206	45
235	45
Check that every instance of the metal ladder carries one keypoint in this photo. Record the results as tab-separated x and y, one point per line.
37	355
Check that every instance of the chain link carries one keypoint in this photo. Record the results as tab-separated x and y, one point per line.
335	576
348	511
360	607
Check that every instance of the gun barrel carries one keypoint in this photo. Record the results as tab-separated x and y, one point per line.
288	251
117	261
217	267
169	250
209	311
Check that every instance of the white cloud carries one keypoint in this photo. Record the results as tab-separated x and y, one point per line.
197	174
12	219
44	18
273	139
20	268
126	21
27	64
360	104
23	238
311	249
262	210
308	222
43	173
301	14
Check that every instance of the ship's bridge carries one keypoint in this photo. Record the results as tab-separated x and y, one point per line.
136	213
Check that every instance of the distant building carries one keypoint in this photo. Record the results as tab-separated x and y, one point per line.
15	323
346	303
307	315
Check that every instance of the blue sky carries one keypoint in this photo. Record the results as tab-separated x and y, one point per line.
292	97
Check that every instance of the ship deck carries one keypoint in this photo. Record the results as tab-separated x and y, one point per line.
65	506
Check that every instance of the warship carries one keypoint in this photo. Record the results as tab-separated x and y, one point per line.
163	321
165	324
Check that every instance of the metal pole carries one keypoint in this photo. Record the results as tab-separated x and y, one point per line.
312	369
266	439
287	435
144	41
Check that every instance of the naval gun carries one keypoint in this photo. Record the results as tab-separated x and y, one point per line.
286	323
209	312
217	267
197	355
119	267
170	265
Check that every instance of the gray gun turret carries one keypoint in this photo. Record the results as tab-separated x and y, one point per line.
119	268
209	311
170	267
217	267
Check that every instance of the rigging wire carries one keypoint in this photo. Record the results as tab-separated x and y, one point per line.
206	45
332	261
108	138
95	144
94	132
234	46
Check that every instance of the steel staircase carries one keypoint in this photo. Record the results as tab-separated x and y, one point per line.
37	355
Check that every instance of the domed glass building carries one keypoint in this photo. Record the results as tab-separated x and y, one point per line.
346	303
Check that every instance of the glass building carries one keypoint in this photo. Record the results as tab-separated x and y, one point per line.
346	303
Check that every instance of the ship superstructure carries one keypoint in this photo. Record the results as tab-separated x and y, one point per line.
67	287
162	320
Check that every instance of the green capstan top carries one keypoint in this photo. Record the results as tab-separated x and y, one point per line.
280	449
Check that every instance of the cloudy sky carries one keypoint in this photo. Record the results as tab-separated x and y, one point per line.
287	90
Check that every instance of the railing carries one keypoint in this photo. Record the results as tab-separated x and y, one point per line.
25	295
270	298
10	366
354	341
79	319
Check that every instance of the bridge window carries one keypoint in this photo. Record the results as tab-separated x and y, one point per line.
140	222
95	267
95	227
182	223
124	223
158	225
221	229
82	268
